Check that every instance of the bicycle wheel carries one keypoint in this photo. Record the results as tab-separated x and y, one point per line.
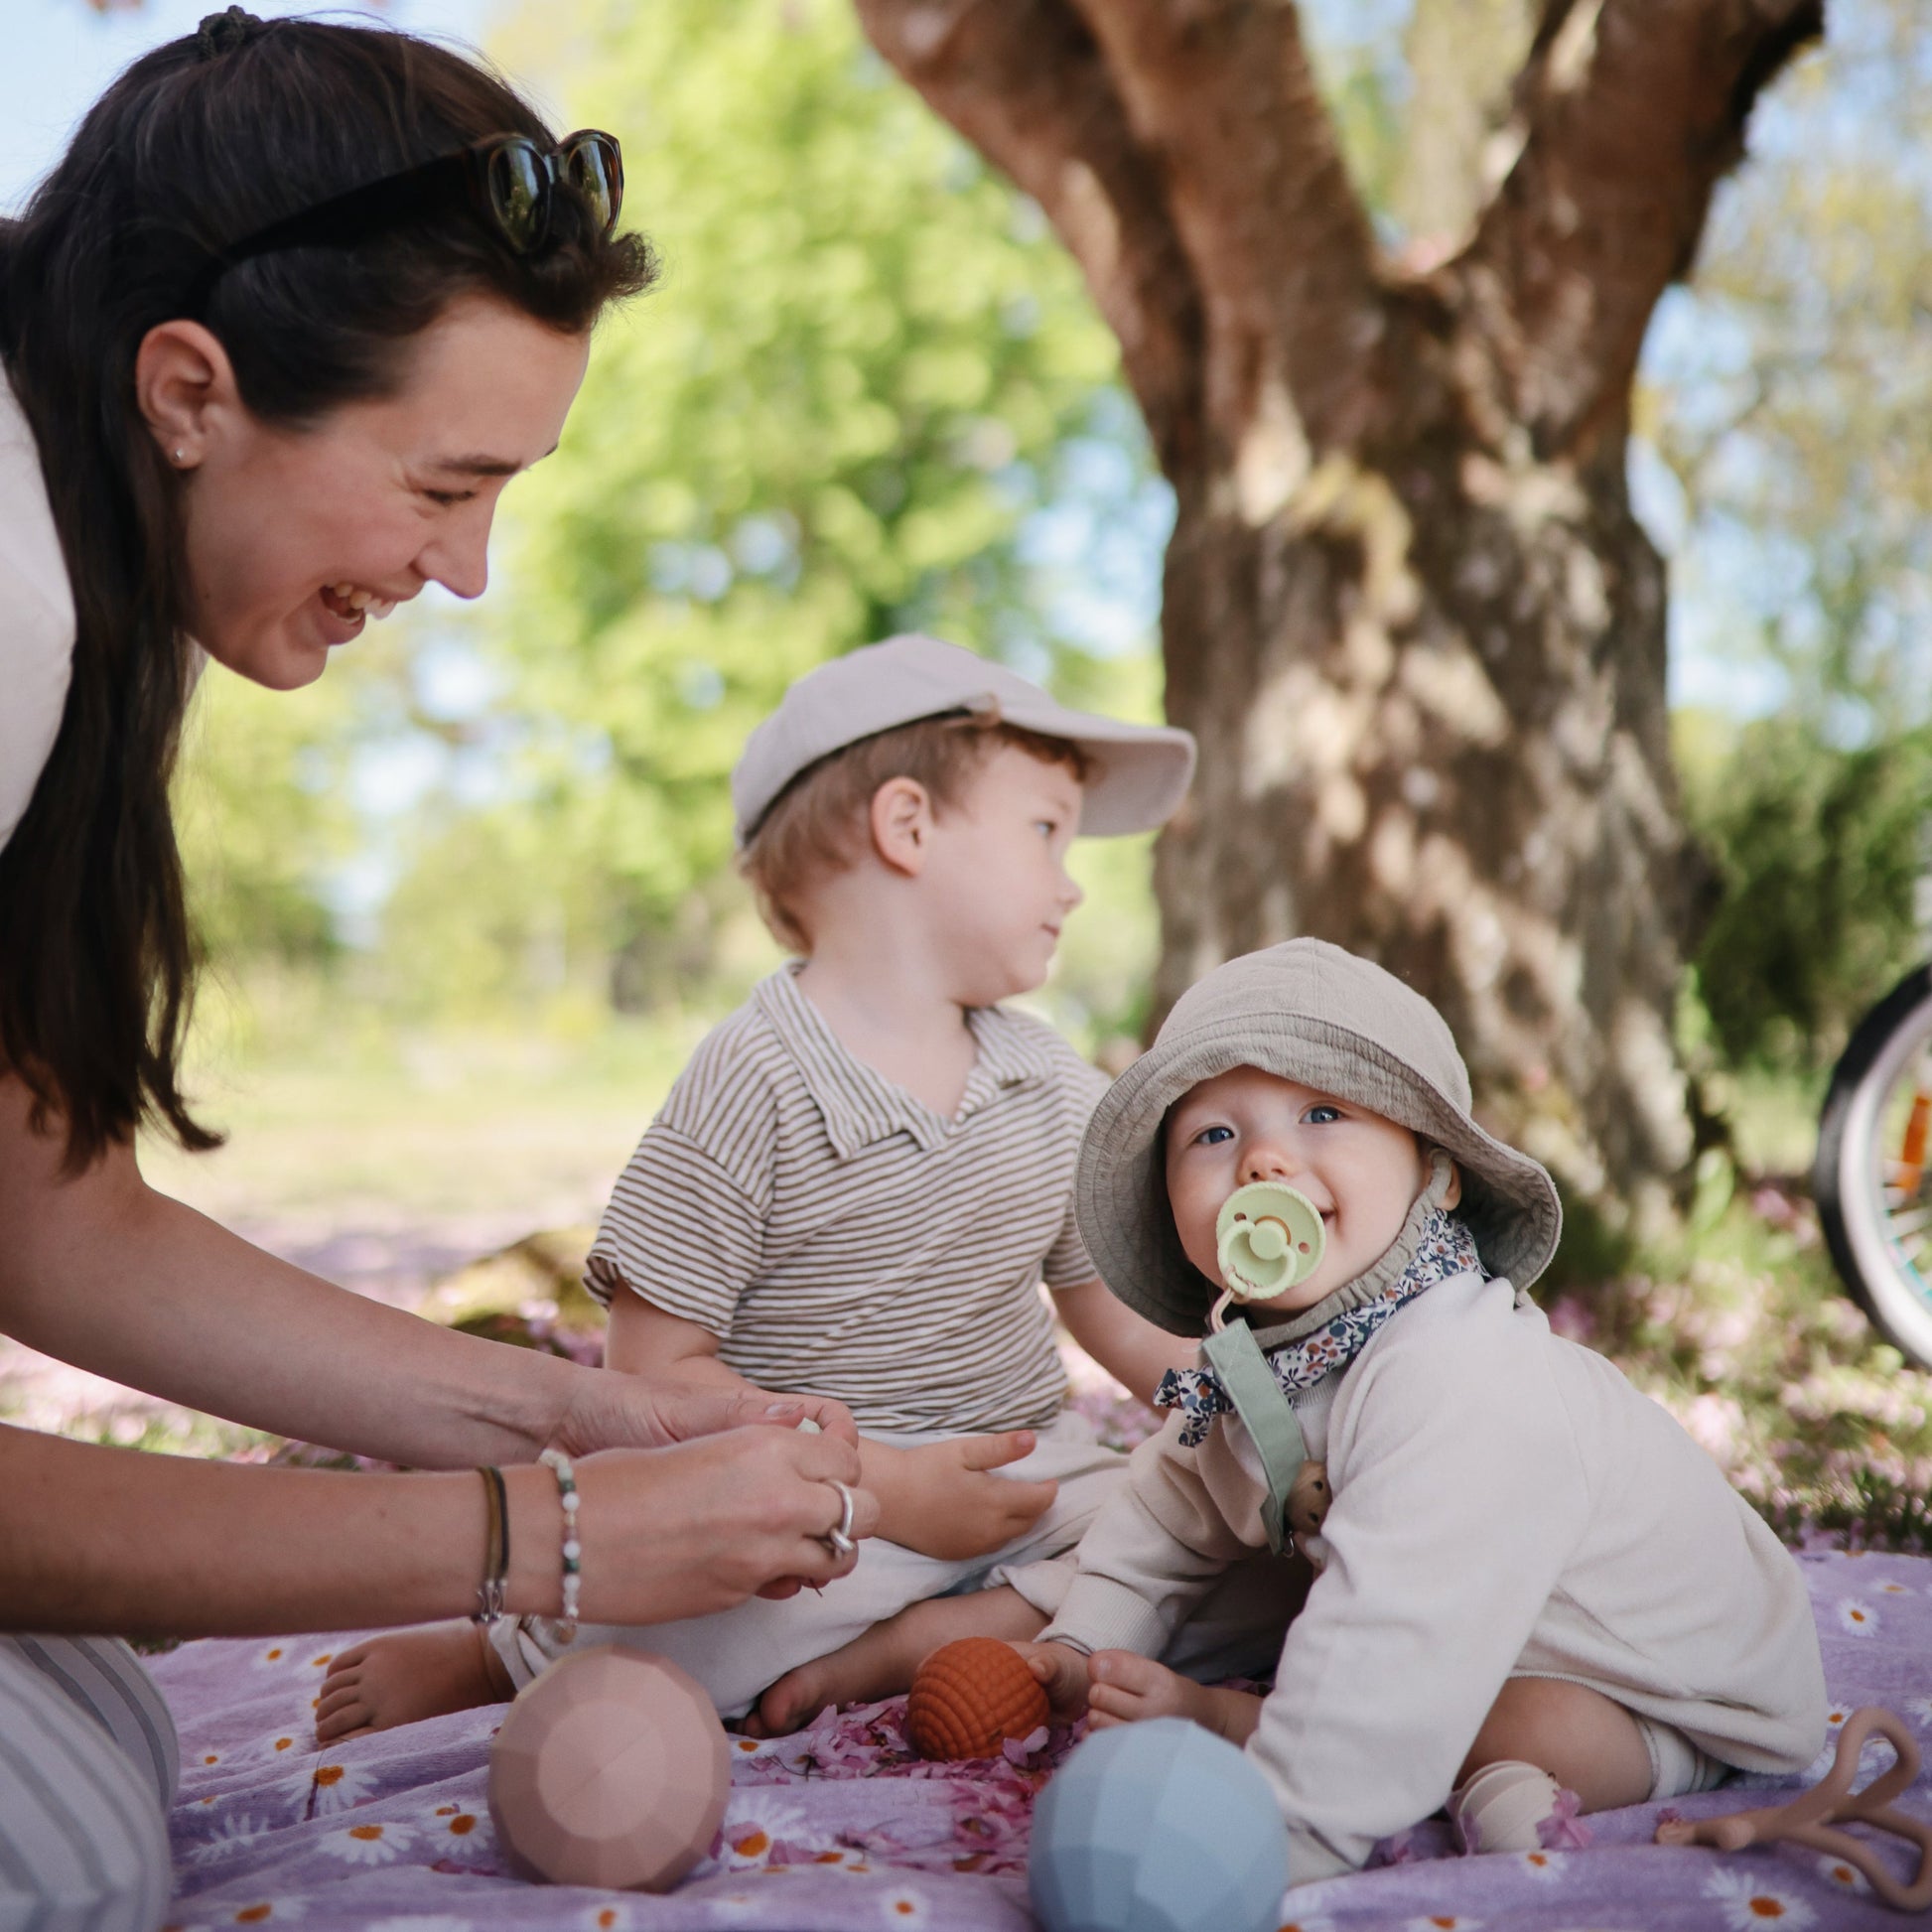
1873	1177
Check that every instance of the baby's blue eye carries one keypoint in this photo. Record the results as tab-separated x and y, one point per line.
1213	1136
1322	1116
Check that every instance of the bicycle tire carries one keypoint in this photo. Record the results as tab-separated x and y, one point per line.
1846	1183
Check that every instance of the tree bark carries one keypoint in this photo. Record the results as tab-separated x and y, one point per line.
1407	608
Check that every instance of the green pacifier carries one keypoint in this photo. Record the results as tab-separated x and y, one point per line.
1268	1238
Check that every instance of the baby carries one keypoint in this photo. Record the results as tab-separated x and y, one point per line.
1535	1594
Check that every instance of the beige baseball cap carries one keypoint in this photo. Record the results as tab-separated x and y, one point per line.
1139	773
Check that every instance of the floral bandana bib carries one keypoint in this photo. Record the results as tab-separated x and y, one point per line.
1446	1248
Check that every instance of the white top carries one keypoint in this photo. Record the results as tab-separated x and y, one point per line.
841	1239
36	617
1504	1504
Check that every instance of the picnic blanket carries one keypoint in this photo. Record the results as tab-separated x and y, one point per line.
841	1828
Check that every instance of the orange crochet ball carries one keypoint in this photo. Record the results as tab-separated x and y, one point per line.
970	1697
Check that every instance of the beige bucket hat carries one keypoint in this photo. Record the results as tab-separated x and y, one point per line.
1139	773
1309	1011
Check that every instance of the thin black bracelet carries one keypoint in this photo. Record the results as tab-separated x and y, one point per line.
496	1554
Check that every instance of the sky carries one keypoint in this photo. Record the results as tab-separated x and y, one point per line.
62	54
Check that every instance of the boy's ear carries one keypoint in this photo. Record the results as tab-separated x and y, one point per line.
902	825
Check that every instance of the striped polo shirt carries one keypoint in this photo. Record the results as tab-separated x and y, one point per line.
841	1239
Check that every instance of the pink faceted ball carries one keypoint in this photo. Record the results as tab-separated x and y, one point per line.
612	1769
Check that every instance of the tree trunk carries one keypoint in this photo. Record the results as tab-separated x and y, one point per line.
1429	698
1407	608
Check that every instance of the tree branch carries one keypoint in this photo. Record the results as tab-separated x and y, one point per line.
1222	93
1024	82
1631	111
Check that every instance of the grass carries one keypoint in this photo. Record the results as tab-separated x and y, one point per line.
1735	1323
1738	1328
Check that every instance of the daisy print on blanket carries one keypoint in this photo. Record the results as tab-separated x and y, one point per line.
1752	1903
369	1843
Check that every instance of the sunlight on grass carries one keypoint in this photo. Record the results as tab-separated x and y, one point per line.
396	1160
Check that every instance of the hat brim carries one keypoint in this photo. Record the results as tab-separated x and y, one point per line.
1509	1203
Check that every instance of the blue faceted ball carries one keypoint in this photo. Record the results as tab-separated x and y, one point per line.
1158	1827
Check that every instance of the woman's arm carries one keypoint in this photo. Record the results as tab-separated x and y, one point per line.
116	1540
102	1271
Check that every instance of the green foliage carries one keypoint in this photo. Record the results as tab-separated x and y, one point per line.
1739	1328
1787	389
1817	849
262	816
828	424
866	368
1786	393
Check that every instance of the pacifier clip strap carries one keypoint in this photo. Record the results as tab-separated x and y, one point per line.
1266	1414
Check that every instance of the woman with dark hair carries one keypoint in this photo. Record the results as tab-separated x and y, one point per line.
295	305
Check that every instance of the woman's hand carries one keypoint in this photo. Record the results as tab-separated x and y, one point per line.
609	1410
702	1525
943	1498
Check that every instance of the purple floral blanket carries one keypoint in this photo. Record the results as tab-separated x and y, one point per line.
840	1827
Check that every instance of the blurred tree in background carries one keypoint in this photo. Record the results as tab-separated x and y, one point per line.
860	375
866	370
870	392
1789	395
1407	609
262	815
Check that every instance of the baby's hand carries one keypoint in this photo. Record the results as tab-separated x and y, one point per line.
942	1499
1125	1688
1062	1674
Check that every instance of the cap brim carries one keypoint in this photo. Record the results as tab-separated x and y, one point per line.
1139	774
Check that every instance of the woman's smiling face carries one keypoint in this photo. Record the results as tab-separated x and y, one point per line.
296	537
1360	1170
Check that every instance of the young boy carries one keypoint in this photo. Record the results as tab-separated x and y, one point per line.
1535	1593
859	1181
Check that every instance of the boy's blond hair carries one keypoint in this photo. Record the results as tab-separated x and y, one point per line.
818	825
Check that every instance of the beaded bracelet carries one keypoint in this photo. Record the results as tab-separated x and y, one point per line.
558	1463
496	1548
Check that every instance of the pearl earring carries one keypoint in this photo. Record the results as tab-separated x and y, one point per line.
181	456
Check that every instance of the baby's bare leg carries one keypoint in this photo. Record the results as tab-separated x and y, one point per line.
1123	1689
409	1675
881	1661
1587	1743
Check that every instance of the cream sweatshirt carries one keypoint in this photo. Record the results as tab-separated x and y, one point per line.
1504	1504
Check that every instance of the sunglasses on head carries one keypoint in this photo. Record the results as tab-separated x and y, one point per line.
510	180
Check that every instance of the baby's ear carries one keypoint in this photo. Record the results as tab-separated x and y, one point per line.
1452	1193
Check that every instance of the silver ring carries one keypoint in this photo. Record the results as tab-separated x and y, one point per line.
839	1539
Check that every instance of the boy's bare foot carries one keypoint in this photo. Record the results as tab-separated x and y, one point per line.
1123	1689
409	1675
882	1661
